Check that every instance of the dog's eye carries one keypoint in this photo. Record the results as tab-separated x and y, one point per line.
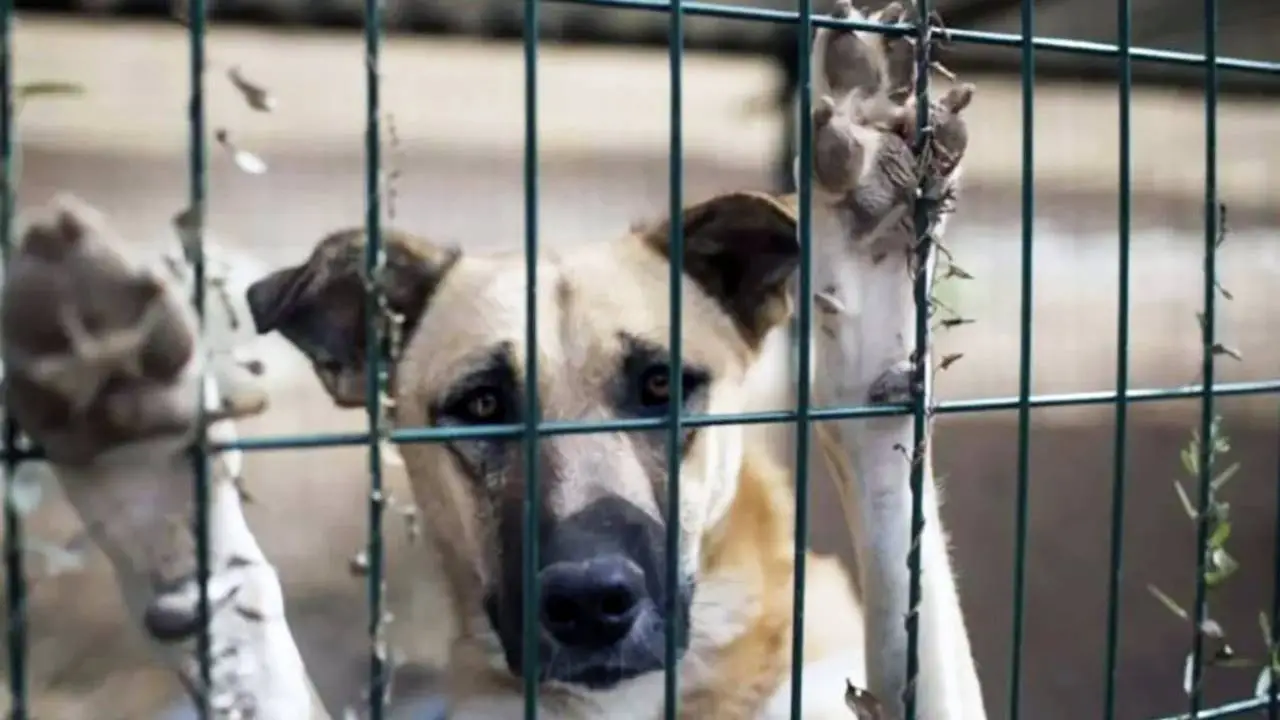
479	406
655	386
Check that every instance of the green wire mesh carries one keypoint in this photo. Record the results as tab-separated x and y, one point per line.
802	21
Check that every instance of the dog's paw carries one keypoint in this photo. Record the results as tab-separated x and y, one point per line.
867	163
855	118
90	342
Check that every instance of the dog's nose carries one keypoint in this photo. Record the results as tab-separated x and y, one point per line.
591	604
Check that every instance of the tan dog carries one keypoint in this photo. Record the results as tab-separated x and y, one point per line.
602	315
602	343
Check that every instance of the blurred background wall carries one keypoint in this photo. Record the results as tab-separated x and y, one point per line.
452	90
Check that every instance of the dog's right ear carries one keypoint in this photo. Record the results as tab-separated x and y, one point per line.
319	305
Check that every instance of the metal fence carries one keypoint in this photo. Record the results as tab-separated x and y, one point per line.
804	21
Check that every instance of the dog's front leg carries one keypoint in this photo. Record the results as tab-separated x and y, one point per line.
102	370
866	178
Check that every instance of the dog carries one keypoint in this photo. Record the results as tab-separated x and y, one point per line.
456	324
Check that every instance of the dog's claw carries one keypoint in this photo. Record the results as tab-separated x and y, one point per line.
171	618
894	386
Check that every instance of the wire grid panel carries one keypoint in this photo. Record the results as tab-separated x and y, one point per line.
803	21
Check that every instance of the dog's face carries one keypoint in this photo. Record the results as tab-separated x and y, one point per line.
603	353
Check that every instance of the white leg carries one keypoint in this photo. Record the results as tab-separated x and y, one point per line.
112	401
864	180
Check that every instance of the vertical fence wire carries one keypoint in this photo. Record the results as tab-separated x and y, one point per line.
198	188
1273	634
804	37
922	290
1207	424
1025	343
529	654
1120	449
15	576
675	428
375	379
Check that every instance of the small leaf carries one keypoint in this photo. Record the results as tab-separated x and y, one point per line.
1186	501
1189	461
255	95
1169	602
949	360
1263	686
1187	674
1211	629
1222	567
245	160
1221	532
1222	349
1223	477
27	484
47	88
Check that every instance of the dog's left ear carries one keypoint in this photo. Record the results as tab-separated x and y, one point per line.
741	248
319	305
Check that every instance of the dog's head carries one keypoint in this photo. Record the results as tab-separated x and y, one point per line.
603	353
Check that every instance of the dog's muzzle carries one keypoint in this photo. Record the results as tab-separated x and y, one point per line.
602	599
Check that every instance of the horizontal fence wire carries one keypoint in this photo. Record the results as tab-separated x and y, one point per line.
978	37
442	434
533	429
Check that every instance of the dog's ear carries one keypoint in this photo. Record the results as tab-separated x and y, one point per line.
319	305
741	248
